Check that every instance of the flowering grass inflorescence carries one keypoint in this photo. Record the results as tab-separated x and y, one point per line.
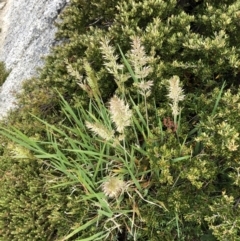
120	113
113	187
176	95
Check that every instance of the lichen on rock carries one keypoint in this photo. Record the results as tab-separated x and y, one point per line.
28	31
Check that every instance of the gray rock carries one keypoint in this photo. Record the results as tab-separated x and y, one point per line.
28	34
2	5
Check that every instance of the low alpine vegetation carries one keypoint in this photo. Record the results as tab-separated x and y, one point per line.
130	132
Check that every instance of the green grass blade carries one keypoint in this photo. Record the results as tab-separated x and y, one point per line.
96	236
104	213
218	99
128	66
83	227
178	159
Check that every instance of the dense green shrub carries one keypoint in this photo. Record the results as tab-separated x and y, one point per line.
194	173
195	40
31	209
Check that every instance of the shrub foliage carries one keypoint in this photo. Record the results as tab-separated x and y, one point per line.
183	181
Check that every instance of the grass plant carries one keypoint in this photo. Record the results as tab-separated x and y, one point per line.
104	151
116	152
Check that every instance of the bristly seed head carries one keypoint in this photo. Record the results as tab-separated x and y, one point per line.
144	87
175	94
100	130
175	90
111	63
113	187
120	113
139	59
